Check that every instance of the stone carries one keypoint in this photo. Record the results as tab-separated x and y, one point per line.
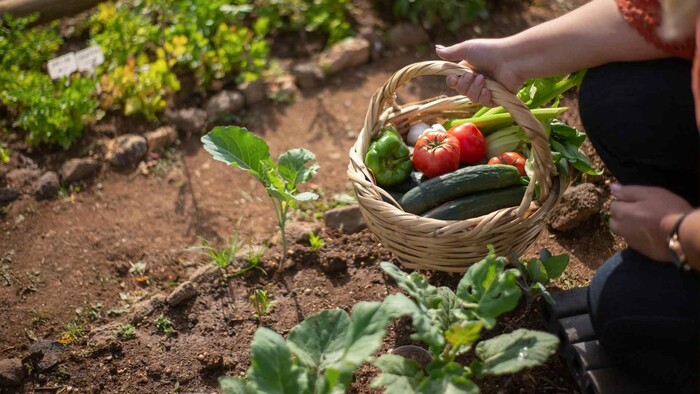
184	292
191	121
11	372
161	138
45	355
74	170
8	194
127	150
106	337
22	177
308	74
211	361
205	274
224	103
405	35
253	91
345	54
284	89
46	186
145	308
346	219
577	204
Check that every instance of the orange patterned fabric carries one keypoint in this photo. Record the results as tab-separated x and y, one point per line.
645	16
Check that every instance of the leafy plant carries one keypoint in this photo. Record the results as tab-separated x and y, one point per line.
72	333
450	323
24	46
322	352
126	331
535	274
222	257
262	303
238	147
315	241
164	324
453	14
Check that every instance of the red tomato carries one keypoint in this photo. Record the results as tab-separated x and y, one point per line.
511	158
436	153
471	142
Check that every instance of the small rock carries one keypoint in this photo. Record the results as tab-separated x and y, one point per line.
211	361
75	170
127	150
11	372
22	177
191	121
160	138
346	219
46	186
253	91
308	74
224	103
298	232
46	354
143	309
346	54
8	194
184	292
284	89
105	337
577	204
406	35
205	274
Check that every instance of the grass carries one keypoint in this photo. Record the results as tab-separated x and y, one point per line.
72	333
164	325
315	241
262	303
126	331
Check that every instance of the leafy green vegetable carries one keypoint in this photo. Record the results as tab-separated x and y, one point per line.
536	273
238	147
510	353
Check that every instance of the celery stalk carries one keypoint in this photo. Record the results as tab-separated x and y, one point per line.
491	123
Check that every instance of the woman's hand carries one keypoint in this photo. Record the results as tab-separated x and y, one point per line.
486	58
644	216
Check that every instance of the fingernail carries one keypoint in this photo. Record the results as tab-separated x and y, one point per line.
469	76
440	47
451	80
615	188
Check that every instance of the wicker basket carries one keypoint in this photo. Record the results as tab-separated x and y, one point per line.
450	245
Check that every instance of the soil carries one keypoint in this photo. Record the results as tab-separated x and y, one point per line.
127	236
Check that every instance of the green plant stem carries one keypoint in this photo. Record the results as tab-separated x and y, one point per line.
281	208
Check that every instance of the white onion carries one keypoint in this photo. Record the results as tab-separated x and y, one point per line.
415	132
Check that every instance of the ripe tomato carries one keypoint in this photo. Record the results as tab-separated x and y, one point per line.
471	142
511	158
436	153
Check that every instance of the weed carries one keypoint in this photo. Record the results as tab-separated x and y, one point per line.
164	324
262	303
222	257
315	241
127	331
90	313
72	333
38	317
138	268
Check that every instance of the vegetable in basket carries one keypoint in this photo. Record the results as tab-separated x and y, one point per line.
388	158
472	145
436	153
514	159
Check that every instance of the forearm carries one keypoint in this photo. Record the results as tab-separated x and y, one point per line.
589	36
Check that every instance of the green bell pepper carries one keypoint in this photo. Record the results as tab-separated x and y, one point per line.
389	158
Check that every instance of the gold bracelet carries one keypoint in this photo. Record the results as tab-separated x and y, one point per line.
675	248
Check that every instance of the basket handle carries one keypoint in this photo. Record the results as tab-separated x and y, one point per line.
544	169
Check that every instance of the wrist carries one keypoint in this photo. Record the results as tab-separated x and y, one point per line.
509	64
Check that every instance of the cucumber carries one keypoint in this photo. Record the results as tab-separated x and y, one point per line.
478	204
467	180
396	195
414	180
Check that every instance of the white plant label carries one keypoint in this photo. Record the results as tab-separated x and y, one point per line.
62	66
89	58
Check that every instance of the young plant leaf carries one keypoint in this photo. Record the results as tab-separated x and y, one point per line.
489	290
231	385
536	271
415	285
399	375
447	377
237	146
273	370
292	166
319	340
555	265
462	335
510	353
423	320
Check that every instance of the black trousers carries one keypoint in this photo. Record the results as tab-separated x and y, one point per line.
646	314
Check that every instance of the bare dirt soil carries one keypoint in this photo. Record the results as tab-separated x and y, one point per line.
126	236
